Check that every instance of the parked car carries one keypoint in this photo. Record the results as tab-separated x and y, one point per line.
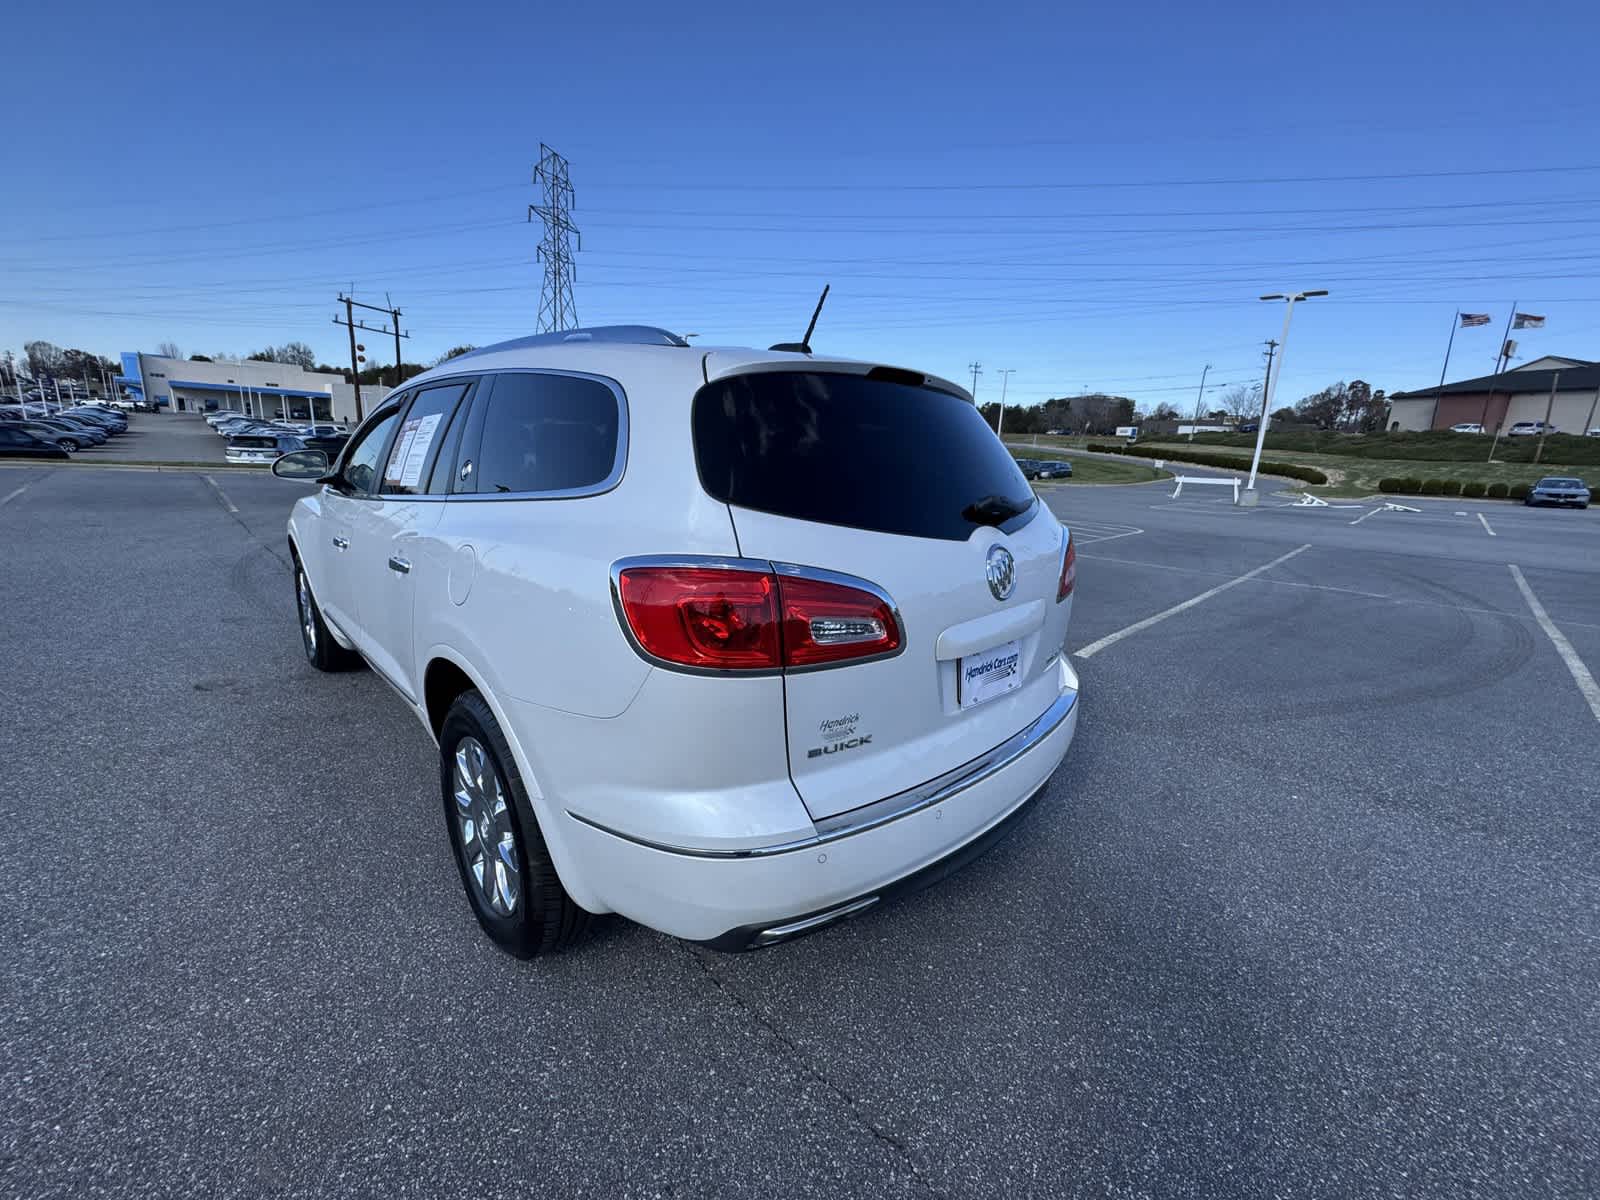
1560	490
773	672
96	433
1055	468
331	446
69	439
1029	467
263	448
18	443
113	421
1530	429
1467	427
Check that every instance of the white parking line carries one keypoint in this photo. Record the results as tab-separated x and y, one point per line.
10	496
1328	587
1099	533
1486	528
1110	639
1580	673
221	495
1364	516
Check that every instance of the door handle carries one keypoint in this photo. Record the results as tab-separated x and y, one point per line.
340	543
399	565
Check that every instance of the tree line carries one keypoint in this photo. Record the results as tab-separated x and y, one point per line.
1354	407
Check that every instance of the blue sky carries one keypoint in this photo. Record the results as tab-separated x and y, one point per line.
1092	195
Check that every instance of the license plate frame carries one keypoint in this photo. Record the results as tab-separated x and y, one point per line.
988	675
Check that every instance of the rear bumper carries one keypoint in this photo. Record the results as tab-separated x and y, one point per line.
740	899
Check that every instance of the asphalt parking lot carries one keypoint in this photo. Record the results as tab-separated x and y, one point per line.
1312	908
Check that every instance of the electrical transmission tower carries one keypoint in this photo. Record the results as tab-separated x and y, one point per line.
557	307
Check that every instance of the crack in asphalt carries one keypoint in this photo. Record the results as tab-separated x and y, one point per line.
876	1132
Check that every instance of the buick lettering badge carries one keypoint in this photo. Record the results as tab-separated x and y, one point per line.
1002	572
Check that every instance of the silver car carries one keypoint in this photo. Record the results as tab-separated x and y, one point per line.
1559	490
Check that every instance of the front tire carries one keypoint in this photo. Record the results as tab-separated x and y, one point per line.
67	444
504	863
322	652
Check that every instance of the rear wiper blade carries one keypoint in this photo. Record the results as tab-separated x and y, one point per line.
992	510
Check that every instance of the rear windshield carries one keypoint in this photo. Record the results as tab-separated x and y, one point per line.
882	454
253	443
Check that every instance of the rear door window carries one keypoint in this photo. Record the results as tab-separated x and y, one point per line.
549	433
421	434
880	452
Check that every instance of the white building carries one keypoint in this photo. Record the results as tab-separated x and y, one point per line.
258	389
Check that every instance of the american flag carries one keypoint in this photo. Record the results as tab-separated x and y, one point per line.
1527	321
1468	320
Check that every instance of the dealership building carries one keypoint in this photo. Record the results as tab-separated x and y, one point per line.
257	389
1523	394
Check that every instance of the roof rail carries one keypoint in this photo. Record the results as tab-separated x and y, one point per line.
635	335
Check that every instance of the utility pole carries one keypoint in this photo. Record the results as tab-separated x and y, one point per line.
349	322
557	307
1005	378
1199	400
1271	347
977	369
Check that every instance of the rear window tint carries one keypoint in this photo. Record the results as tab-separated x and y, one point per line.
876	454
548	433
253	443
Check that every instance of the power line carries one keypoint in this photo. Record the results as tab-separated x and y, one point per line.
1141	183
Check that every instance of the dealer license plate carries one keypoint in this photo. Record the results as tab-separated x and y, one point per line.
995	672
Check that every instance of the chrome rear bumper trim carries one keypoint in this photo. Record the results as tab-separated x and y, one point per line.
892	808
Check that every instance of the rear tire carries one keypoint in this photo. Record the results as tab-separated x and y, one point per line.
322	652
67	444
502	858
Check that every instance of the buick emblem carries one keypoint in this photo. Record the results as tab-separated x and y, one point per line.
1002	572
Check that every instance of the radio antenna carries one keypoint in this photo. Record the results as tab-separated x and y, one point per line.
803	346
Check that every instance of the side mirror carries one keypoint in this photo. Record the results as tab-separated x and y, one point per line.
301	464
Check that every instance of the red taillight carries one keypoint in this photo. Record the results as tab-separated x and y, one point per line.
826	622
723	620
1069	571
735	619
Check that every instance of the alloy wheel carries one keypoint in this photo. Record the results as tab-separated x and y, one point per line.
483	825
308	614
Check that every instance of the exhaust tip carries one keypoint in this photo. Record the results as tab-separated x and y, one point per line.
782	933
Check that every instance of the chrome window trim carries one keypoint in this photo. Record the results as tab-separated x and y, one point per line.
892	808
763	566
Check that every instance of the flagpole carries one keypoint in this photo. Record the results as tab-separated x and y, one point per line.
1454	321
1485	421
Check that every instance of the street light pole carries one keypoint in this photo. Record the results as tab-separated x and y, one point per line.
1000	421
1289	299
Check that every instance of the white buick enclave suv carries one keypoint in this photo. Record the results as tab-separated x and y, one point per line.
734	643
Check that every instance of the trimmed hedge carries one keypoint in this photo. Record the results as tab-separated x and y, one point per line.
1402	486
1433	487
1473	490
1519	491
1222	462
1497	491
1570	449
1390	483
1452	487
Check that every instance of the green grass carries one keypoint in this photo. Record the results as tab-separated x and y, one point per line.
1351	476
1096	470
